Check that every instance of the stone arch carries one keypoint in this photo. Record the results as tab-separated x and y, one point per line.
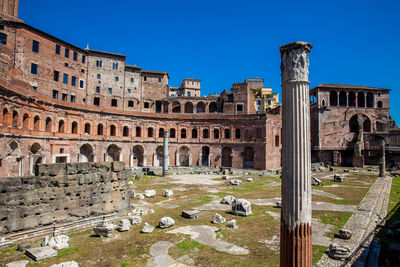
226	160
25	121
48	124
125	131
212	107
361	100
100	129
138	155
74	127
87	128
36	123
370	100
176	107
194	133
205	156
353	124
352	99
86	153
248	158
201	107
35	148
188	107
342	99
160	155
113	130
113	151
183	156
61	126
161	132
206	133
15	119
366	124
333	98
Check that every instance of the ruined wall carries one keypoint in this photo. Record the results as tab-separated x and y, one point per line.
62	193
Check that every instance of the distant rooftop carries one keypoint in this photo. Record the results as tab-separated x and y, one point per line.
105	53
344	86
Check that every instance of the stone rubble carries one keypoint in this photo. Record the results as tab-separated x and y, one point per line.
147	228
235	182
218	219
339	178
228	199
338	252
59	242
41	253
231	224
166	222
241	207
345	234
191	214
250	180
66	264
23	246
22	263
168	193
104	229
135	220
124	225
150	193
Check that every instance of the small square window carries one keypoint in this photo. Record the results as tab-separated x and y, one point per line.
81	84
132	80
66	52
3	38
130	104
56	76
64	97
145	78
146	104
97	89
96	101
66	65
82	70
58	49
117	79
114	103
109	91
75	56
73	81
129	91
65	78
239	107
98	76
35	46
34	68
83	59
55	94
99	63
159	80
72	99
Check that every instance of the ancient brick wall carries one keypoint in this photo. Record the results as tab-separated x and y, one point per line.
62	193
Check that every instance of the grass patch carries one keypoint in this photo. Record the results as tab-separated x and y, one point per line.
317	252
338	220
341	201
205	199
189	244
66	252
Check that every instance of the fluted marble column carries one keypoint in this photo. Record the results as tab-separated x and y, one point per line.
296	245
382	164
166	155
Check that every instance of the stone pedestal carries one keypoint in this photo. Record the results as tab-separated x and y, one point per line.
296	245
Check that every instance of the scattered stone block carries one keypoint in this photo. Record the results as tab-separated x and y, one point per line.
23	246
66	264
338	252
241	207
278	204
41	253
228	199
139	174
232	224
124	225
322	169
130	183
191	214
135	220
104	229
345	234
59	242
118	166
331	169
218	219
346	170
339	178
166	222
225	177
168	193
235	182
147	228
140	196
316	181
249	180
150	193
22	263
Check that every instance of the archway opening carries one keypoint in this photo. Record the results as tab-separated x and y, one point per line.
113	152
205	154
226	160
333	98
86	153
188	107
184	156
248	158
138	155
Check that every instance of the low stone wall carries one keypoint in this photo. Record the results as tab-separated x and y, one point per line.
61	193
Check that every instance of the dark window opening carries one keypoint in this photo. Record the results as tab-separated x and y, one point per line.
150	132
112	130
172	133
206	133
56	76
125	131
96	101
3	38
161	132
64	97
138	131
100	129
380	104
55	94
74	127
72	99
66	52
183	133
75	56
35	46
227	133
237	133
65	78
130	103
83	59
333	98
58	49
114	102
73	81
87	128
194	133
216	133
146	104
34	68
276	140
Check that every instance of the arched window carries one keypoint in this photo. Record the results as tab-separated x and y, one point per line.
352	99
370	100
161	132
353	124
149	132
183	133
176	107
201	107
342	99
172	131
380	104
194	133
5	117
113	130
48	124
15	119
61	126
227	133
74	127
206	134
237	133
138	131
361	100
367	125
87	128
25	121
216	133
212	107
36	124
100	129
188	107
333	98
125	131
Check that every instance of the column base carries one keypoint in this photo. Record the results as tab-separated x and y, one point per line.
296	246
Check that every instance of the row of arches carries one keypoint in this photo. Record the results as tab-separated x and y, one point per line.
187	107
352	99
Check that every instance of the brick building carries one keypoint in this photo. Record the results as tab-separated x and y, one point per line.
61	103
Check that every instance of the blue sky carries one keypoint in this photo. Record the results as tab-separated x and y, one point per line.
222	42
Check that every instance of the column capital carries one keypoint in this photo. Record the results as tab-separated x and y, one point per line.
294	61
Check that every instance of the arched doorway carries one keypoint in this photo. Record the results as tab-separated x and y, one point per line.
353	124
184	156
226	160
86	153
366	124
205	155
138	156
159	156
248	158
113	152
